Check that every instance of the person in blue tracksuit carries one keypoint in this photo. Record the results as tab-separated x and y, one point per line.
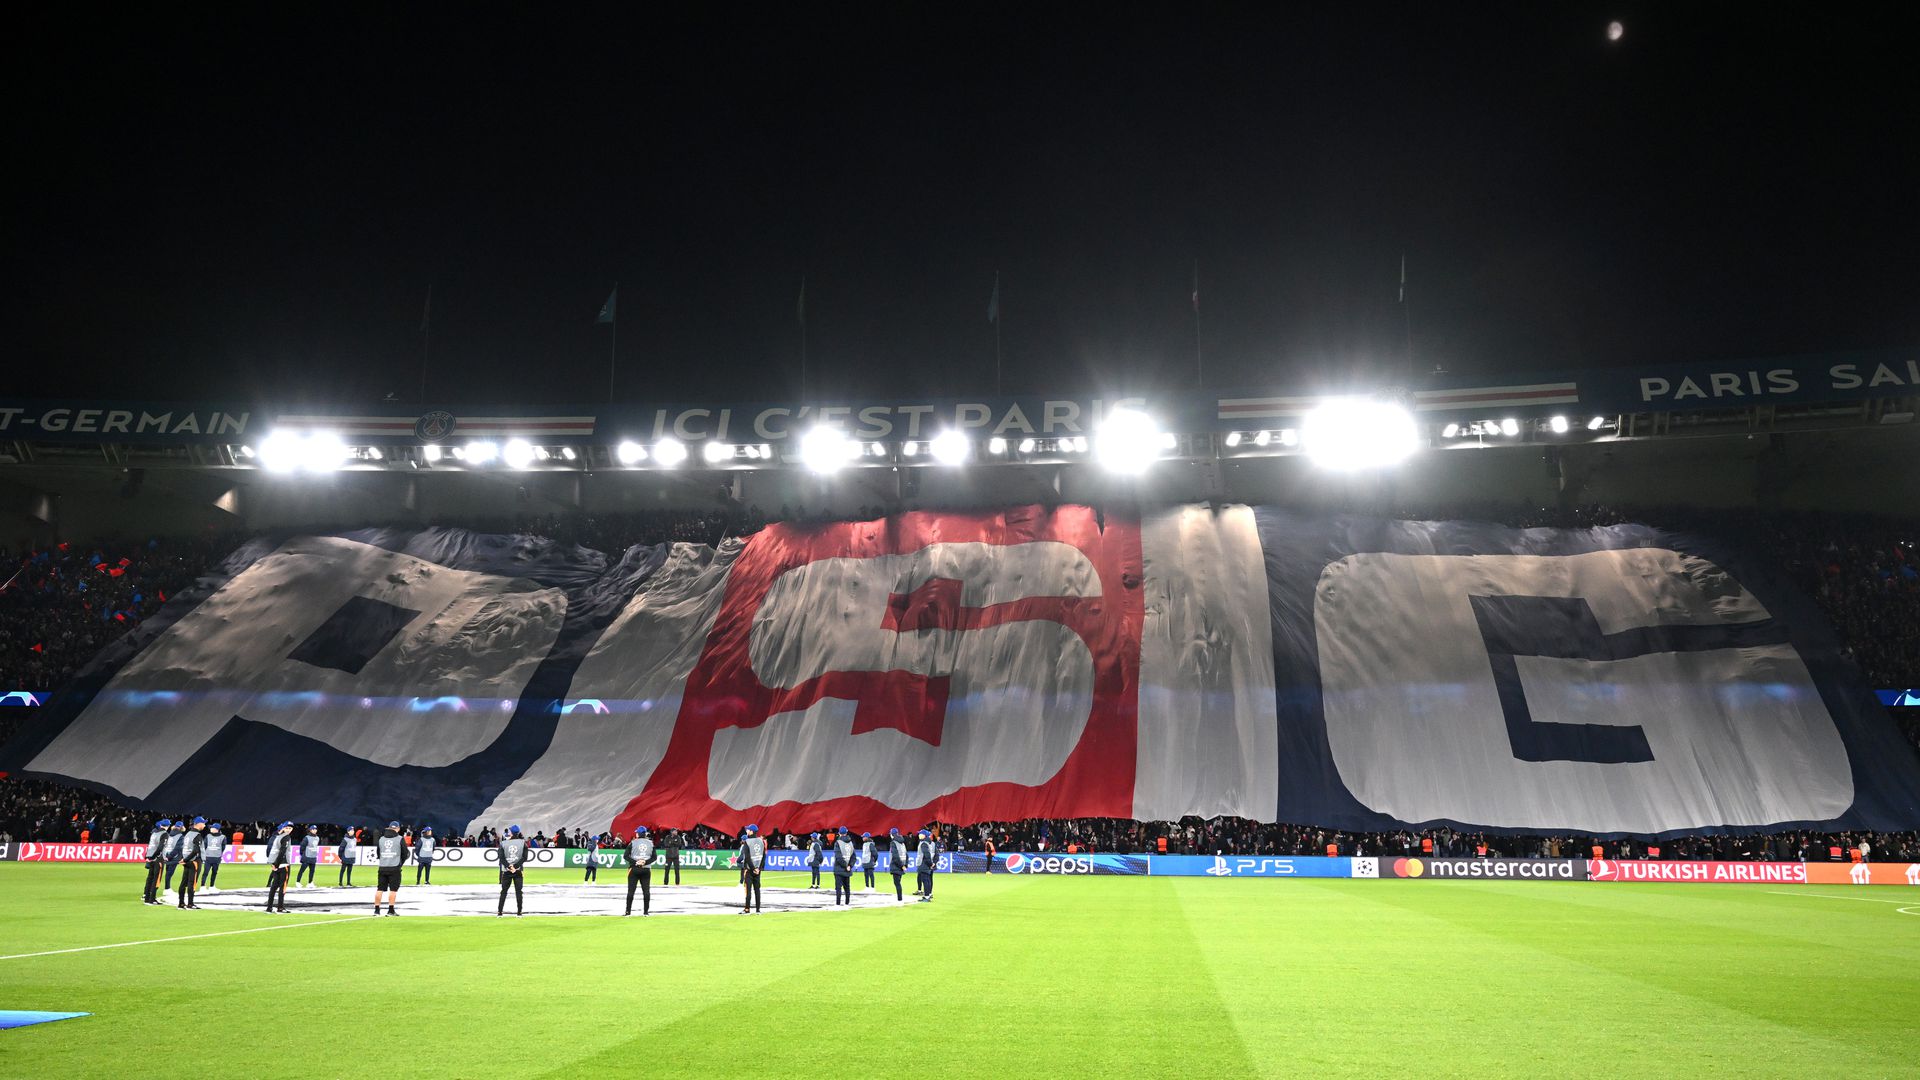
213	848
868	858
844	855
279	852
640	870
176	836
156	858
423	846
593	858
309	855
814	859
929	857
349	855
190	862
753	859
514	850
897	861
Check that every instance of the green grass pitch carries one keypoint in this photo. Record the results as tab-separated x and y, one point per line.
1000	977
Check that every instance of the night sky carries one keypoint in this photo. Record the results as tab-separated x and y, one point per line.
245	205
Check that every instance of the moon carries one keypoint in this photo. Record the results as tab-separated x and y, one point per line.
1615	31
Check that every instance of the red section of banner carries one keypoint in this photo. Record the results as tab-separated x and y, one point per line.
1768	873
724	692
1864	873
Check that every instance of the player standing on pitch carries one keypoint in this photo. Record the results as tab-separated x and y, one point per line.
868	857
640	870
279	849
753	856
170	851
670	871
213	848
309	856
513	850
929	856
814	859
349	855
156	855
392	849
190	862
897	861
593	858
423	856
843	856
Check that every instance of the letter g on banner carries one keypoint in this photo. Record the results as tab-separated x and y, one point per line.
874	671
1632	690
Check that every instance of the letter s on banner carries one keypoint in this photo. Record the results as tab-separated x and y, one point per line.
986	664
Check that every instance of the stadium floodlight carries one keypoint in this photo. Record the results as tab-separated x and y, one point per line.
1349	434
825	449
1233	439
877	449
1289	437
280	452
1510	427
715	452
1262	438
1450	431
433	452
909	449
518	453
1558	424
1080	444
996	445
542	453
670	452
629	452
374	453
950	447
1026	446
482	452
246	451
1127	441
569	453
1596	423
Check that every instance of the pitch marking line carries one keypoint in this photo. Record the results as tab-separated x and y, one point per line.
189	937
1910	909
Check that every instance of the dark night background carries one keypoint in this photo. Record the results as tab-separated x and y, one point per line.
237	203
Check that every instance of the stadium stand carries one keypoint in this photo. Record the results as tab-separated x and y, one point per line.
62	604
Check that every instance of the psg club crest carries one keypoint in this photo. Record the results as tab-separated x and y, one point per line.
434	426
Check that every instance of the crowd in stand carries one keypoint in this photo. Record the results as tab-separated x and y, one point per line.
61	604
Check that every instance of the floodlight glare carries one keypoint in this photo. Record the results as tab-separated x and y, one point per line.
433	452
1349	434
1558	424
280	452
1509	427
518	453
482	452
1289	437
825	449
630	452
374	453
669	452
1450	431
996	445
950	447
715	452
1233	439
1026	446
568	452
909	449
1127	441
1595	423
1262	438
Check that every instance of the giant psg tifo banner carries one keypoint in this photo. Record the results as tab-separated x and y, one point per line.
1355	673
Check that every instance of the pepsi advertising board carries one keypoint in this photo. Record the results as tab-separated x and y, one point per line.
1083	863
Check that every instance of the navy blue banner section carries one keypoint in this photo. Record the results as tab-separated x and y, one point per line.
1610	682
1773	380
320	684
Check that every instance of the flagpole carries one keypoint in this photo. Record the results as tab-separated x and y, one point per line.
998	367
1199	361
426	341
